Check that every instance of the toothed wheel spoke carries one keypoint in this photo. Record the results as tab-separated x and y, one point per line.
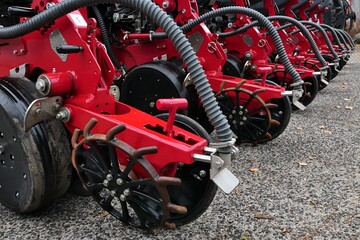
248	115
90	172
121	180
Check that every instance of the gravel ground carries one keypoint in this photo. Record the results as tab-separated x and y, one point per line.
303	185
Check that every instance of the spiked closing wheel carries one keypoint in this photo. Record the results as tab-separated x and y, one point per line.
310	86
121	180
197	190
247	113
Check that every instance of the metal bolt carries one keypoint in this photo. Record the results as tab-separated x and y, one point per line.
122	198
165	4
106	183
127	192
244	118
17	194
241	113
113	193
40	85
57	107
14	139
119	181
152	104
202	173
15	52
1	134
233	112
109	177
261	114
2	149
183	11
229	25
281	113
12	157
241	123
0	187
230	116
64	115
24	176
22	51
38	111
234	122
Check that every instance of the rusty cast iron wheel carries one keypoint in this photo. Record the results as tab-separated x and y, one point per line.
123	182
197	190
35	166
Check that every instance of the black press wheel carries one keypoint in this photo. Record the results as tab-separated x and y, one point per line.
197	190
35	165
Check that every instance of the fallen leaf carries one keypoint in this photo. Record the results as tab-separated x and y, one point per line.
313	202
254	170
322	127
261	216
104	214
344	83
327	132
347	99
348	108
237	191
338	107
285	230
303	163
298	128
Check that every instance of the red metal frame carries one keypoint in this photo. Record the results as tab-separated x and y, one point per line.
92	74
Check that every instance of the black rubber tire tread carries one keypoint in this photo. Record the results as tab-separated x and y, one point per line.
50	151
192	126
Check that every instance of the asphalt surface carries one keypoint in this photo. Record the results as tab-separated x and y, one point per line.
303	185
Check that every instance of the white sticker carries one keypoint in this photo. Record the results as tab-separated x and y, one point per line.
78	20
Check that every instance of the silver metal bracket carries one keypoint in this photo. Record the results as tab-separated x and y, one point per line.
219	174
296	96
42	109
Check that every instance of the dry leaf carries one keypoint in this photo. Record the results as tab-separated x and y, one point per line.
104	214
237	191
347	99
303	163
261	216
348	108
254	170
327	132
298	128
338	107
322	127
285	230
344	83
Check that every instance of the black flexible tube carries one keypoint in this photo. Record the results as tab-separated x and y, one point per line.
206	95
264	22
342	39
105	36
292	21
346	38
304	31
347	35
334	35
327	40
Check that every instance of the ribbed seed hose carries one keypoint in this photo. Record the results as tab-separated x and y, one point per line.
264	22
206	95
292	21
342	39
323	33
105	36
304	31
334	35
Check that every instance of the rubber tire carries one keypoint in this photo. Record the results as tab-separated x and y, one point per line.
192	126
45	146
